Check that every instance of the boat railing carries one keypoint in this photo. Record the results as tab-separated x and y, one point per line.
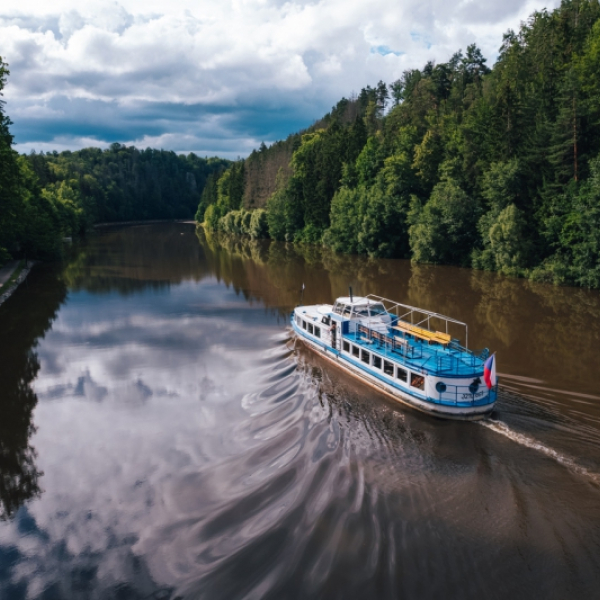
443	362
418	317
448	360
460	395
394	343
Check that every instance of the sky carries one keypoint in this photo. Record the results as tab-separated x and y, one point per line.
218	77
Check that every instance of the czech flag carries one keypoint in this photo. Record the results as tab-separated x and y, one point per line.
489	371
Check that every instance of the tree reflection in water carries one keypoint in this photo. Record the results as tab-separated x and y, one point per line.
546	337
24	318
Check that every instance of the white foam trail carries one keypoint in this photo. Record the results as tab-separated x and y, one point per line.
529	442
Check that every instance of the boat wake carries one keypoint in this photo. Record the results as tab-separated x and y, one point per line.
529	442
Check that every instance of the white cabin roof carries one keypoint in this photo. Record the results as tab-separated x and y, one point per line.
356	300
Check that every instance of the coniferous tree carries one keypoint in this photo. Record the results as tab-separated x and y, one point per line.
472	165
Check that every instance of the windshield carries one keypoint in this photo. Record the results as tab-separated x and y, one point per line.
361	311
377	309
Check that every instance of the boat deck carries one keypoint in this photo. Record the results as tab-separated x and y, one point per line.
435	358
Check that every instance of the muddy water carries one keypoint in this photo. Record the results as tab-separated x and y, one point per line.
162	436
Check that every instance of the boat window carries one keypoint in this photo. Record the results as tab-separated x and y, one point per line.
298	320
318	332
303	324
310	328
401	374
337	308
355	351
361	311
377	361
388	368
417	381
347	310
377	309
365	356
346	347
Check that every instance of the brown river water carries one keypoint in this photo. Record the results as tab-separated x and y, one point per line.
162	435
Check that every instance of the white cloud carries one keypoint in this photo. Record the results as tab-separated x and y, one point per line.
298	57
60	144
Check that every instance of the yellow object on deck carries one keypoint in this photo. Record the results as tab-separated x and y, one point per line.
424	334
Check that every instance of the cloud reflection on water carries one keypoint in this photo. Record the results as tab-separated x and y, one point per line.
120	413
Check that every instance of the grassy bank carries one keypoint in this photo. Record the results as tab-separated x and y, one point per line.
13	277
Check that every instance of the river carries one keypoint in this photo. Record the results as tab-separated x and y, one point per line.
163	436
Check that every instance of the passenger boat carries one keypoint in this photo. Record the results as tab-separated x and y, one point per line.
406	352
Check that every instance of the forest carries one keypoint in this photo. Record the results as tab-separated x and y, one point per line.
456	163
47	197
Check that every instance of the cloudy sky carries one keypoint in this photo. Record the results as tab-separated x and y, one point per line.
217	77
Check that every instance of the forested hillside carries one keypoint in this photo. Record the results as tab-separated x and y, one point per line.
45	197
458	163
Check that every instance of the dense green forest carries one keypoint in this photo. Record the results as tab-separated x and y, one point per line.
456	163
46	197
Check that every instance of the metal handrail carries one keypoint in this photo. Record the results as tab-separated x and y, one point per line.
422	311
453	395
443	362
467	396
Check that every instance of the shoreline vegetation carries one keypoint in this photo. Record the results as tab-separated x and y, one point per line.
139	222
495	169
15	279
4	285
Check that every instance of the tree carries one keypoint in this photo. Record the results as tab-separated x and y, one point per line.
444	230
428	157
369	161
276	211
10	200
473	65
259	224
382	224
506	246
346	217
402	88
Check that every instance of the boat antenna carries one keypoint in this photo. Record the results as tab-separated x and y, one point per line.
350	288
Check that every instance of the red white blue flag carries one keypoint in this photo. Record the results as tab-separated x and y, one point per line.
489	371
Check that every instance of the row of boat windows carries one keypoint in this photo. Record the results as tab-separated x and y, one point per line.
416	380
312	329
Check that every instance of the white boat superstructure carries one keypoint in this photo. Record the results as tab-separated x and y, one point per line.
396	348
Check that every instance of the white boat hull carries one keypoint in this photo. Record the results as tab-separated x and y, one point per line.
461	413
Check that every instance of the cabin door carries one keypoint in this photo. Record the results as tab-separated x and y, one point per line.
334	336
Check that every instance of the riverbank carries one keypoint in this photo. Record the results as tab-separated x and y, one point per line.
142	222
12	274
